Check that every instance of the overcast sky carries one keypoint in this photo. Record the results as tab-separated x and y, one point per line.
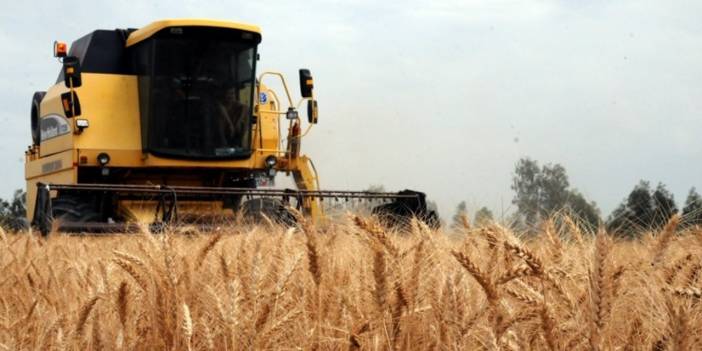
439	96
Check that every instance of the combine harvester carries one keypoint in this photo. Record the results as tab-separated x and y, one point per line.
169	124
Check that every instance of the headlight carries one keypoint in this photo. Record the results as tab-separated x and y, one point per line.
271	161
103	159
82	123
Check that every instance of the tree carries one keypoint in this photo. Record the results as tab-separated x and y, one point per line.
617	220
13	214
526	185
483	216
553	189
643	209
663	206
692	212
460	215
640	204
586	212
540	192
634	213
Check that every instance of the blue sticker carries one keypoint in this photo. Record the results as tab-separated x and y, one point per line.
263	98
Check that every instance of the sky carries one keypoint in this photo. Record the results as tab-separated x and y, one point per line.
438	96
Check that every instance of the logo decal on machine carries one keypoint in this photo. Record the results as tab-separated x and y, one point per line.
51	166
52	126
263	98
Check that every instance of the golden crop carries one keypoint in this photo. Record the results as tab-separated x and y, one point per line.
352	286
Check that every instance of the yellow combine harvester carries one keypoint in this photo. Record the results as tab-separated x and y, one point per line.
170	123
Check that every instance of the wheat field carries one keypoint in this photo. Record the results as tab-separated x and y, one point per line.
352	285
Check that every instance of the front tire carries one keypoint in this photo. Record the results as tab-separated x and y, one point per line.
274	209
35	115
74	210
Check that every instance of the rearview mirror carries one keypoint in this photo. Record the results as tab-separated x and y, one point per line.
306	83
71	72
312	111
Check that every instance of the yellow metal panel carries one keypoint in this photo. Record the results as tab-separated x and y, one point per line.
151	29
135	158
58	144
154	161
118	158
67	176
306	179
51	104
49	165
270	127
267	132
110	103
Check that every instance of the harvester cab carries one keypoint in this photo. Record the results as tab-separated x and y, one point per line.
170	123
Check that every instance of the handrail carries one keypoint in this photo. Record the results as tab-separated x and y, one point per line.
279	111
282	79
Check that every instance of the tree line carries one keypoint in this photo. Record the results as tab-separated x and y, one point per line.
647	208
542	191
13	212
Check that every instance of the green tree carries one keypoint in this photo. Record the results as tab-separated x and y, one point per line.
643	209
634	213
526	185
13	213
483	216
553	189
692	211
640	204
586	211
617	220
664	206
540	192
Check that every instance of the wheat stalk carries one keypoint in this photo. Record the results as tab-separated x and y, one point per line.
664	239
83	315
361	286
207	248
187	326
479	276
122	303
597	294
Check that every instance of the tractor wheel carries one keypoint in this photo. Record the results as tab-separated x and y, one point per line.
69	209
392	217
256	209
399	213
35	114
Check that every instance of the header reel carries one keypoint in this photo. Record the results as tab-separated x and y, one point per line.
396	211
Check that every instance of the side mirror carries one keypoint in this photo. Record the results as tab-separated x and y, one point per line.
306	83
71	72
312	111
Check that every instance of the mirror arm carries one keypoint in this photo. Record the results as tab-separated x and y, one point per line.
73	98
299	103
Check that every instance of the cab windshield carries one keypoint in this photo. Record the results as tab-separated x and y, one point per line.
200	93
